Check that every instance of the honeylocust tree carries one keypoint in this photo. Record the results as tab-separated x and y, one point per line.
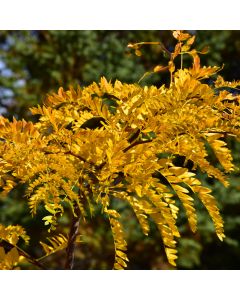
112	142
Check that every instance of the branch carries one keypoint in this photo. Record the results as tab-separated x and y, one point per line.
73	154
225	133
8	246
136	143
74	231
134	136
72	239
79	157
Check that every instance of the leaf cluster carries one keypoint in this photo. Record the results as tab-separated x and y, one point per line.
121	142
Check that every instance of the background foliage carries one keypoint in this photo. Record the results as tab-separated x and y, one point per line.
33	63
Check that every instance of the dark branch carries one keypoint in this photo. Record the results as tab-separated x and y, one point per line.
134	136
74	232
72	239
8	246
73	154
136	143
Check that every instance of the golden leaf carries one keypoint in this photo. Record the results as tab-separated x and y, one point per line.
159	68
138	52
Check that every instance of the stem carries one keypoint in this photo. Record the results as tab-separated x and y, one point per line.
181	55
8	246
72	238
73	154
136	143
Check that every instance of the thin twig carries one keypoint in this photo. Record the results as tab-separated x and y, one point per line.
73	154
136	143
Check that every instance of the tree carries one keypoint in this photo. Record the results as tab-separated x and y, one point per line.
107	143
34	63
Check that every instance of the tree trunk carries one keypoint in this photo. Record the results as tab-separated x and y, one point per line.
72	239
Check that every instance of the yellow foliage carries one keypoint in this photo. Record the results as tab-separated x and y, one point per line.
57	243
11	234
9	260
105	141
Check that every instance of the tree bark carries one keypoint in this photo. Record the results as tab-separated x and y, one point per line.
72	239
